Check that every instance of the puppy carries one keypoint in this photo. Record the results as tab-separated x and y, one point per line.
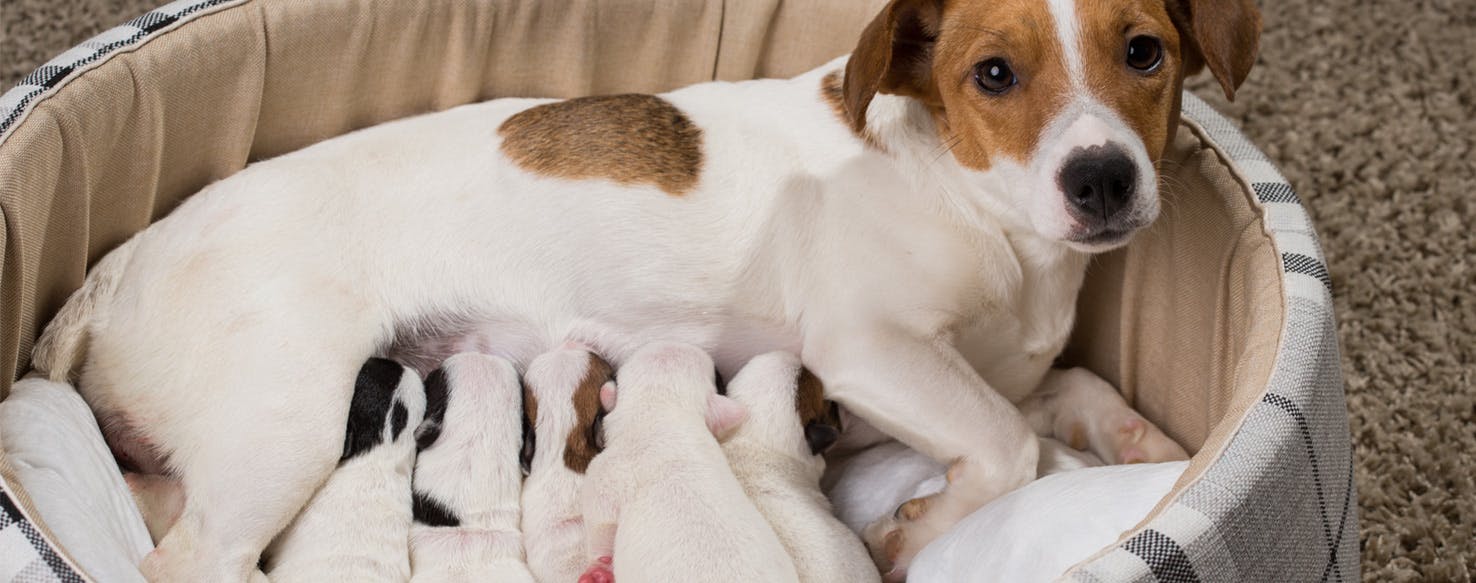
660	502
562	403
357	525
915	219
467	475
776	456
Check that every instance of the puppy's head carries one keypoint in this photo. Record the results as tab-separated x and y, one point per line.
787	406
667	373
1058	110
561	402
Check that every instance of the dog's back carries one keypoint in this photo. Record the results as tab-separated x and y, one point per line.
776	457
357	524
681	514
467	476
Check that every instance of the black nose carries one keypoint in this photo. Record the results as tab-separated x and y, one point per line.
1099	181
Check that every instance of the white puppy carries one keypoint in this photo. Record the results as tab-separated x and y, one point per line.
562	403
1038	532
776	456
467	477
660	500
356	526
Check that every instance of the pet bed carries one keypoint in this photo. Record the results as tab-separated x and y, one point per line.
1217	322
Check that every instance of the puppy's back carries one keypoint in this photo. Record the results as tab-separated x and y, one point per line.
562	405
682	516
467	475
776	457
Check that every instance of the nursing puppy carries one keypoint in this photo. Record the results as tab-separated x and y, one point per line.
916	220
467	475
562	404
660	502
357	525
776	456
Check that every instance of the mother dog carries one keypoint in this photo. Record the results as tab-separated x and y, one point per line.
915	221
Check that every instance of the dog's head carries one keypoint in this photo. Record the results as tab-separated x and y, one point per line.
1057	109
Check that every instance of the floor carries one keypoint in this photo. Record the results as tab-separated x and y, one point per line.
1369	106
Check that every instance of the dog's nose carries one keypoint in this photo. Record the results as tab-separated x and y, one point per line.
1099	181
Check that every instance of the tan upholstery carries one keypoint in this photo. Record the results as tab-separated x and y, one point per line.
1186	320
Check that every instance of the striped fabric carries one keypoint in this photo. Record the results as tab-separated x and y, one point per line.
1279	503
25	556
15	103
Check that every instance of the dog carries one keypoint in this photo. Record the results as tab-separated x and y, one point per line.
562	403
914	220
776	455
660	502
356	526
467	477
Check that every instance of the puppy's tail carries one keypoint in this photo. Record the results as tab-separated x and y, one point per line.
62	347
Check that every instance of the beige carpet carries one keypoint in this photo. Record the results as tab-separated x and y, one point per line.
1370	109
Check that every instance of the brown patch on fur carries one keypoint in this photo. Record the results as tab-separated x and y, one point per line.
1142	99
582	443
982	128
630	139
832	92
530	405
810	403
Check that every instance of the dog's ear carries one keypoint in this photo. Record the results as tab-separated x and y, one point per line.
895	55
1223	35
607	396
724	415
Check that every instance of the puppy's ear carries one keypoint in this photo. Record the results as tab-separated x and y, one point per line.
607	396
1223	35
895	55
724	415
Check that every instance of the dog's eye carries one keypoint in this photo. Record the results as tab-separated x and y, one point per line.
994	76
1145	53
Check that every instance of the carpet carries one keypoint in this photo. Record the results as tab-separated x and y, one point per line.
1369	108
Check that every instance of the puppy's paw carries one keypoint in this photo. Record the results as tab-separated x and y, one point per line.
1136	440
599	572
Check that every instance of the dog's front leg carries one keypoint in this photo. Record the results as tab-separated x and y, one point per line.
919	389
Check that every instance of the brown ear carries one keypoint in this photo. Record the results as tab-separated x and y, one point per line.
895	55
1224	35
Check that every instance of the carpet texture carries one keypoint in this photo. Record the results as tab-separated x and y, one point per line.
1369	108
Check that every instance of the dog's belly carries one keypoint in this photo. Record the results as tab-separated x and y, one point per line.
731	340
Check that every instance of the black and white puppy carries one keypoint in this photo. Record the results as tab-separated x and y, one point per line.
357	525
467	475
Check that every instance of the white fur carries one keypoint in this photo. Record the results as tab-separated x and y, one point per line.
773	462
356	526
1038	532
661	499
472	470
917	289
553	525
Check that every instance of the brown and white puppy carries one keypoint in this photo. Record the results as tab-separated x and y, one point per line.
915	220
660	502
562	403
467	475
357	525
776	456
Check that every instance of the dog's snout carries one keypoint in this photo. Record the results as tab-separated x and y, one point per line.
1099	181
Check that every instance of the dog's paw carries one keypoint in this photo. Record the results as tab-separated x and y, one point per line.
1135	440
895	540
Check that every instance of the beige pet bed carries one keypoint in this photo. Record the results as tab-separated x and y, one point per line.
1217	322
